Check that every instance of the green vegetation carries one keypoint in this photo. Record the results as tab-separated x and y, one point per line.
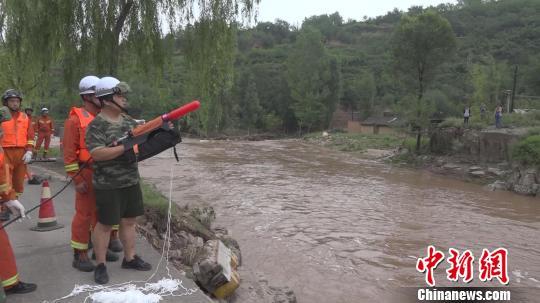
522	120
54	152
410	144
527	151
531	119
357	142
154	199
420	44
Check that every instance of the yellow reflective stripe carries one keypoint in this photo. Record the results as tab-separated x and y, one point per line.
11	281
77	245
72	167
4	187
30	142
18	194
116	227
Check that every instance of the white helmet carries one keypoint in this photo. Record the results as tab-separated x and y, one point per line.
106	86
87	85
44	109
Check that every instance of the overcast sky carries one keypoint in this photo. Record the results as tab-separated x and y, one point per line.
294	11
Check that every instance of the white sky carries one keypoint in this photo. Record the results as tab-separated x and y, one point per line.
294	11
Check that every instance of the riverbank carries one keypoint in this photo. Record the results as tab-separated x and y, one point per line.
479	156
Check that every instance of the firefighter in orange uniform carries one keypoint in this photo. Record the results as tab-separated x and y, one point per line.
17	142
75	155
29	112
45	128
9	277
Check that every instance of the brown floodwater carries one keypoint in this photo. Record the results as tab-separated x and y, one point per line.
338	228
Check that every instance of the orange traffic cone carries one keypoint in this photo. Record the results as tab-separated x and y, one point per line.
47	216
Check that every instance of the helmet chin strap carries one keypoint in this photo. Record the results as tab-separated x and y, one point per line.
120	107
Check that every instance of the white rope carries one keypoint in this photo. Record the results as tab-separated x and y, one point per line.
129	291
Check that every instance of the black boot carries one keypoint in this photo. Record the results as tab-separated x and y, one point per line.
109	257
100	274
5	215
136	263
21	288
82	262
114	243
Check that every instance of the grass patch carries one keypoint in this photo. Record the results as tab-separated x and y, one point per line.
154	199
357	142
54	152
531	119
475	122
410	144
527	151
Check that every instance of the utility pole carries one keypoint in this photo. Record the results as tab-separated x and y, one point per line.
513	90
508	96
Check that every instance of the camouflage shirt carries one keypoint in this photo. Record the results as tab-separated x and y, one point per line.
5	115
116	173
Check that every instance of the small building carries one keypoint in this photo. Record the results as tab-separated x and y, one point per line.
372	125
379	125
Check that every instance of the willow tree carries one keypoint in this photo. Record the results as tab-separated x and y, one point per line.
211	65
85	36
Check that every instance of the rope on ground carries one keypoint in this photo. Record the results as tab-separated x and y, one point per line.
129	291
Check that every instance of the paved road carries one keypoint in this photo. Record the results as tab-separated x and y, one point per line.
45	257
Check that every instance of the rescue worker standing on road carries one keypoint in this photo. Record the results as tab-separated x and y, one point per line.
75	155
116	181
45	128
29	112
9	277
17	142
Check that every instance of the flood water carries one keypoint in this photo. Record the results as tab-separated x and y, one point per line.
338	228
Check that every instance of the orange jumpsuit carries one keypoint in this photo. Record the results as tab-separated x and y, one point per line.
8	267
18	138
45	128
75	154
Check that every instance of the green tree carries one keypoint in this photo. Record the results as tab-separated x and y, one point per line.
359	92
420	44
489	80
250	110
328	25
89	35
309	73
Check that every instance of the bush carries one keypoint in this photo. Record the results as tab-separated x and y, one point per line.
533	131
527	151
522	120
451	122
410	144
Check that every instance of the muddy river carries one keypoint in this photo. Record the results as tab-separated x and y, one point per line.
338	228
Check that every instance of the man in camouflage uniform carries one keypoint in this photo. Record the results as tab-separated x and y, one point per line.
116	181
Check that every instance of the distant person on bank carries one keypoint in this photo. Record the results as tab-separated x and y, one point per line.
466	115
498	116
482	111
